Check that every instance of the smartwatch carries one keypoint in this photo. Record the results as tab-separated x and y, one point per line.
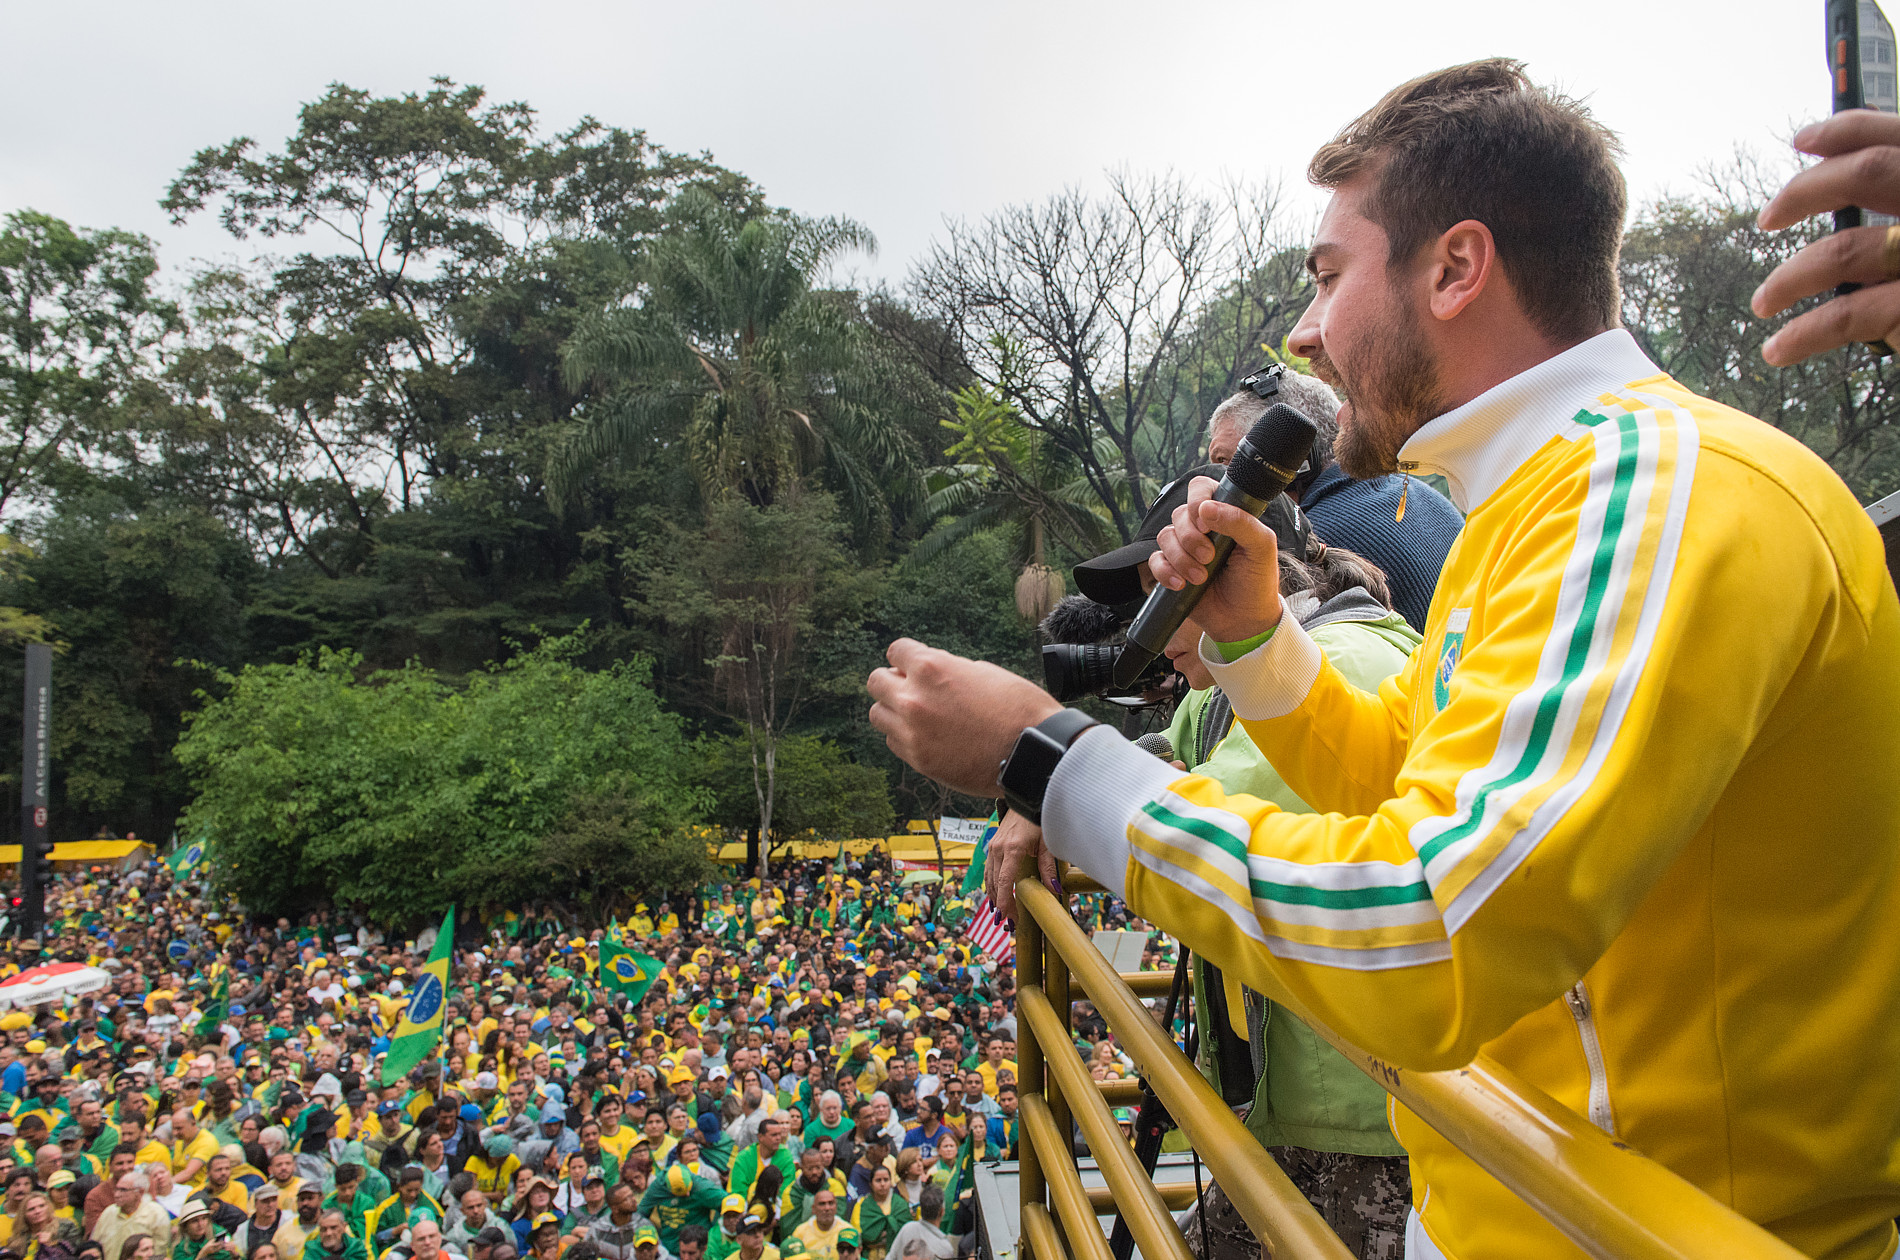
1024	775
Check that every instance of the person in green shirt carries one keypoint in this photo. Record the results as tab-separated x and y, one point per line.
194	1230
768	1151
830	1122
334	1240
678	1201
350	1198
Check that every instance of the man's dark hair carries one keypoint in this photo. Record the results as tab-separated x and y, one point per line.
694	1234
1481	141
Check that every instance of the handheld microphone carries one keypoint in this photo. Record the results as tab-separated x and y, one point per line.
1156	742
1265	463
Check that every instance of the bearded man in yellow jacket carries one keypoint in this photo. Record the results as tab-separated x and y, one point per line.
1629	822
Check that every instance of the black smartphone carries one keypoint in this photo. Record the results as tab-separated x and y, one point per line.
1845	70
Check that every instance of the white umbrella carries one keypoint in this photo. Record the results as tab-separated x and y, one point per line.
51	983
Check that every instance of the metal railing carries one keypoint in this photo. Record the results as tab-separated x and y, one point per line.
1604	1196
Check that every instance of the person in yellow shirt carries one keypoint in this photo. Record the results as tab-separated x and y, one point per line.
494	1166
132	1133
192	1149
220	1184
614	1136
994	1062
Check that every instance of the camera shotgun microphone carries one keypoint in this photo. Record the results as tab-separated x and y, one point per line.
1265	463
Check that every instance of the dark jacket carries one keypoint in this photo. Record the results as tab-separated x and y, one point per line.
1361	516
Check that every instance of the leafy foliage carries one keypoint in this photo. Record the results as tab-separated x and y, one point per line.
819	789
393	793
734	353
79	324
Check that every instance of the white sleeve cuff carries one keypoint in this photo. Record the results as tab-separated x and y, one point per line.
1272	680
1098	785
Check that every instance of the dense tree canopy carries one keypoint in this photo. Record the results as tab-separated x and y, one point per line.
535	499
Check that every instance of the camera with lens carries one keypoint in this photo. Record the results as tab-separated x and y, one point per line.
1081	660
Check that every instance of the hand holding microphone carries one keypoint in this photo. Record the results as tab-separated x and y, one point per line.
1219	528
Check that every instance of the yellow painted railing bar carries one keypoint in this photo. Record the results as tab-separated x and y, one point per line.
1149	1220
1039	1235
1120	1093
1176	1194
1074	881
1029	1074
1271	1204
1602	1194
1143	984
1072	1203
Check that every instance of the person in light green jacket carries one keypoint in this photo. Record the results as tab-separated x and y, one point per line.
1324	1121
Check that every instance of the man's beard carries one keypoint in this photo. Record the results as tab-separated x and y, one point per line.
1387	400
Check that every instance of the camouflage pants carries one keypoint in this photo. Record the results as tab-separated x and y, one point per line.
1363	1198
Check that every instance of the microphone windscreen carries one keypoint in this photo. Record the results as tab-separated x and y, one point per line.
1270	455
1079	619
1156	742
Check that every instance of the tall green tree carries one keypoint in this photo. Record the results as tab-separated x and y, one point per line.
733	352
134	594
376	409
773	600
80	330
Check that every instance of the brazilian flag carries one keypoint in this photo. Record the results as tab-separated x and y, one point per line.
420	1029
219	1010
627	971
185	858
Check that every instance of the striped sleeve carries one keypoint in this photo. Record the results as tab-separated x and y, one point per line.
1400	924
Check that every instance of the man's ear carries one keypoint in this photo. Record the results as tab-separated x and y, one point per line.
1464	259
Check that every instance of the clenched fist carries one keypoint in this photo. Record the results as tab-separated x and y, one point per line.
950	718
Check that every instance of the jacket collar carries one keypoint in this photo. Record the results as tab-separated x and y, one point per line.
1478	446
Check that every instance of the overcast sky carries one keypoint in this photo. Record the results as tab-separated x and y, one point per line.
897	114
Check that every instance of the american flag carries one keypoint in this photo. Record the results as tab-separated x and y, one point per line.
989	935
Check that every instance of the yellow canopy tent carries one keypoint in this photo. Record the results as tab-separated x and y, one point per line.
87	852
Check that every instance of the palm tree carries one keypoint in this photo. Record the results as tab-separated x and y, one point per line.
1010	474
730	350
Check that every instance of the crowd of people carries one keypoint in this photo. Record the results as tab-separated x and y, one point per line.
816	1070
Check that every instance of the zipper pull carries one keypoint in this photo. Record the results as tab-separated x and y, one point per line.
1578	1002
1405	488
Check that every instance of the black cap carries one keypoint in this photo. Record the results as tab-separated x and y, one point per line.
1114	578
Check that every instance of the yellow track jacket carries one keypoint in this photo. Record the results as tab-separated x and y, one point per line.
1629	822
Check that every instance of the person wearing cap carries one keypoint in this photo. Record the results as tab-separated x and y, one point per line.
391	1141
678	1200
752	1243
194	1231
723	1242
646	1245
266	1224
493	1166
59	1189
